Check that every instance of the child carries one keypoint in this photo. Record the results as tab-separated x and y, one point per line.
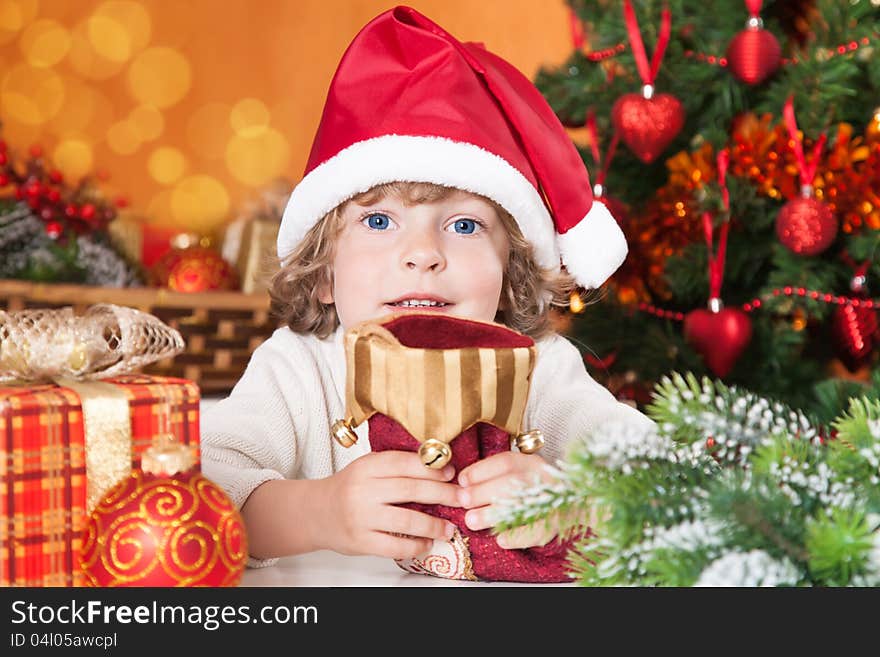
439	179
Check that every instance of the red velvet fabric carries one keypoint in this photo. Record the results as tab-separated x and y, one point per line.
490	562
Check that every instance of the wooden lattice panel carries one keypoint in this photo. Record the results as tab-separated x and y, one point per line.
221	329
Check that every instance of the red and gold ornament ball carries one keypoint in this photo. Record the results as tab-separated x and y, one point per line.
194	269
164	530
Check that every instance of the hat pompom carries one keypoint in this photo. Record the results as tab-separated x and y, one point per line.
594	248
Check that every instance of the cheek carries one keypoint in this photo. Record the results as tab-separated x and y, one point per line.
355	275
483	274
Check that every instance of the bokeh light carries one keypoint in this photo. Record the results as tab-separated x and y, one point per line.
119	29
44	43
31	95
14	16
258	158
159	76
208	130
201	203
123	138
74	158
109	39
85	60
249	117
166	165
147	122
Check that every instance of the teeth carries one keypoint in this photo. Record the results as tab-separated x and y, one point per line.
415	303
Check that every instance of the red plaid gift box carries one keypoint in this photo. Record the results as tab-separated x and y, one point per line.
61	449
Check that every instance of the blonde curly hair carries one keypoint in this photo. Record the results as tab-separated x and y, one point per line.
527	292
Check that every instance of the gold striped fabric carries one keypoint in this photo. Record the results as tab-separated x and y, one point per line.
435	393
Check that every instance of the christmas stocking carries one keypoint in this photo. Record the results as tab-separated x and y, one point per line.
455	391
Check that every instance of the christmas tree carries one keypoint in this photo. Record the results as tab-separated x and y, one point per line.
738	145
54	231
728	489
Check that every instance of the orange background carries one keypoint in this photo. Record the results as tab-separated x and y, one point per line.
194	107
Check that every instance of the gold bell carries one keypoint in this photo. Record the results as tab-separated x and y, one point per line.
435	453
529	442
343	433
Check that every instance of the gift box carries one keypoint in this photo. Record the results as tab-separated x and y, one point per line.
73	424
250	245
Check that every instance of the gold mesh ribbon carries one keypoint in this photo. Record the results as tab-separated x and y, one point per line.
56	345
108	438
435	393
44	344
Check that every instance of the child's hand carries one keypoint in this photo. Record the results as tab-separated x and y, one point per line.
491	479
360	517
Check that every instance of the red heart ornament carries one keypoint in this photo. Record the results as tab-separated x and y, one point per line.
647	125
720	338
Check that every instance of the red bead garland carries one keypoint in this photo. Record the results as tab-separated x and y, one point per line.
757	302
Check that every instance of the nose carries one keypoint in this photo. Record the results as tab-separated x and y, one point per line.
423	252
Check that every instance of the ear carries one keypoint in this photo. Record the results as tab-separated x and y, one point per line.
325	290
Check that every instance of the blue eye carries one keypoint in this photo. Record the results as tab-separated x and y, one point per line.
377	221
465	226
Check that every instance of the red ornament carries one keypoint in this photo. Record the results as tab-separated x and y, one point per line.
54	229
647	124
856	333
719	337
806	226
194	269
164	530
753	54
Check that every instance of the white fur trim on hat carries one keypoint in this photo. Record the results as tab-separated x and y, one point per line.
594	248
438	160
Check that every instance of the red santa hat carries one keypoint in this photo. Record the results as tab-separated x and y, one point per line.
409	102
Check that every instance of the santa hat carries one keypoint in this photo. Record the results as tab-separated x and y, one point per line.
409	102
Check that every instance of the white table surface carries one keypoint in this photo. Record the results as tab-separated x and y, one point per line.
325	568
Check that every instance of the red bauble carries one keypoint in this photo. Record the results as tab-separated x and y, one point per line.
193	269
753	55
720	338
153	530
647	125
806	226
855	332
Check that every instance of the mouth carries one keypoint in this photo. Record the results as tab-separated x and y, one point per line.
419	302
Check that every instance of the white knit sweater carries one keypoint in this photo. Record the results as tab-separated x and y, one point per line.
276	422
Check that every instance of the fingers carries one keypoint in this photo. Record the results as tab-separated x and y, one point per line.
500	465
486	493
401	490
381	544
415	524
394	463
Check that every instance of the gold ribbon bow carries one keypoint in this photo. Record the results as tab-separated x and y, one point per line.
44	345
